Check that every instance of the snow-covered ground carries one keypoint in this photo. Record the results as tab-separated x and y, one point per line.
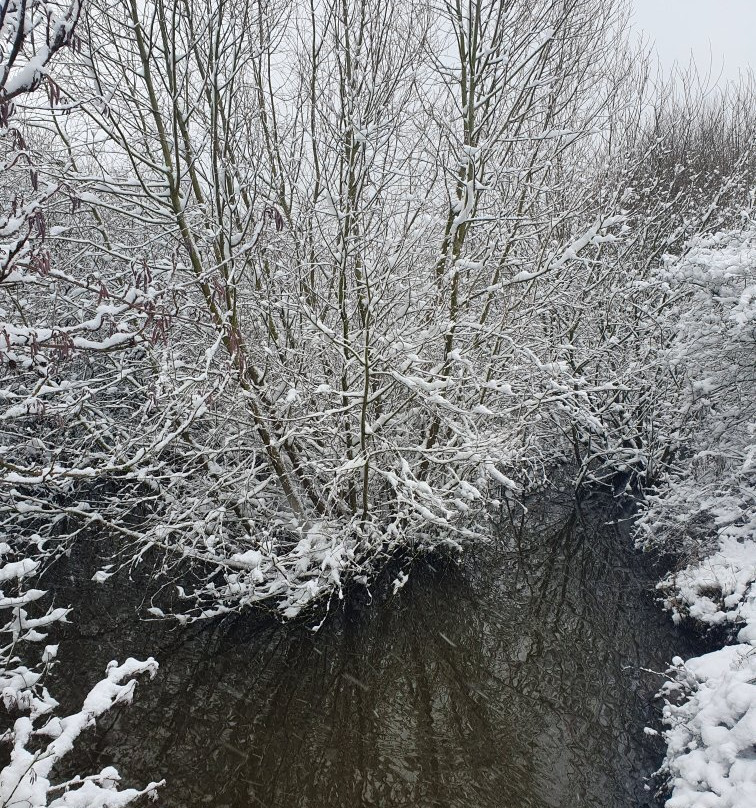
711	735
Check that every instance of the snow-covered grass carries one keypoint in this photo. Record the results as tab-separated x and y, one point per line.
718	591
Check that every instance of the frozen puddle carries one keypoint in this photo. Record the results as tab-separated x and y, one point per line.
517	680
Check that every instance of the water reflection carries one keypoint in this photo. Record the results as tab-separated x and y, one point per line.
513	681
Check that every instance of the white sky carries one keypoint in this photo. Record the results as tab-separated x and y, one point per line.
720	33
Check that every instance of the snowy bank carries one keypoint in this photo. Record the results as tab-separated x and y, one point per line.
711	732
705	513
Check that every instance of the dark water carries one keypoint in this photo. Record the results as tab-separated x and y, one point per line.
514	680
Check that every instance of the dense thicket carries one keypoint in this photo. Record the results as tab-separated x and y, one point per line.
287	288
319	281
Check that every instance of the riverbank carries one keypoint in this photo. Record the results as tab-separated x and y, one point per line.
704	513
711	700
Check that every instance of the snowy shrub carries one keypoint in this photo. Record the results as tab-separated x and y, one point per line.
710	494
705	511
20	685
317	329
26	780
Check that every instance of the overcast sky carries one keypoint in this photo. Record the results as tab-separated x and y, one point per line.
718	32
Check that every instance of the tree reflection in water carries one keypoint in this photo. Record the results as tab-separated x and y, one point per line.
514	680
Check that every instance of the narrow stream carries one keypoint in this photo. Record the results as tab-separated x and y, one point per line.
515	680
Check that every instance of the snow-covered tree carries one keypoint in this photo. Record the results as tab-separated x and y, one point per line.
31	34
340	274
347	269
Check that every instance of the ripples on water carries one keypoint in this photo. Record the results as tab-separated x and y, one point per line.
514	680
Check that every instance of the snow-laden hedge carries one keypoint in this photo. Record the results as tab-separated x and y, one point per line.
706	512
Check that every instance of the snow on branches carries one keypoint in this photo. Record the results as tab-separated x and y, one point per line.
44	330
38	737
709	496
705	511
31	33
293	327
352	356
